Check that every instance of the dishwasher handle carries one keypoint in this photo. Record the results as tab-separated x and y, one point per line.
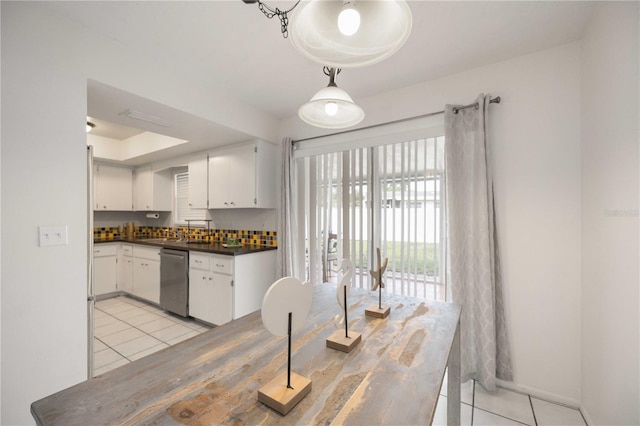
174	253
181	256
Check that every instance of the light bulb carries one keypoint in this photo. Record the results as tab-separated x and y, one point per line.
349	19
331	108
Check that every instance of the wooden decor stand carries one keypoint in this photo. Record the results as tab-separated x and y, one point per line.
345	344
281	398
377	311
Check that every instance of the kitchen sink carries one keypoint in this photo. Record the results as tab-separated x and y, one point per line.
162	240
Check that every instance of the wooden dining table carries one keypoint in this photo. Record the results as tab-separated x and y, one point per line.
393	377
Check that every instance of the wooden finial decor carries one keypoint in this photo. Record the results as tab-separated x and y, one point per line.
378	311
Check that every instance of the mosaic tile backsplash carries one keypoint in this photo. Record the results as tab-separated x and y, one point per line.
254	238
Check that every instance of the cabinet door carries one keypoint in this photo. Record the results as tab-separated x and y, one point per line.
140	281
210	297
232	177
143	189
153	275
113	188
222	300
146	279
198	298
105	274
152	190
198	183
265	175
125	269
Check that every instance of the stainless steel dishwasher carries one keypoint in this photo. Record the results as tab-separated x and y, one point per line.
174	281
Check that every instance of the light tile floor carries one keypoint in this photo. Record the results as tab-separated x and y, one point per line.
127	329
504	407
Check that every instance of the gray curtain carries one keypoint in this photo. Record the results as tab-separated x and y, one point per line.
287	224
473	272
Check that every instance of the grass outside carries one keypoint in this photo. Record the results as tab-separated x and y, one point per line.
418	258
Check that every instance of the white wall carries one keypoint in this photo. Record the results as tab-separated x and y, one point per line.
45	66
610	322
536	156
537	163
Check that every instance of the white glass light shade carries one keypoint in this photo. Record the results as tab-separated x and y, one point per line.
385	26
349	20
346	114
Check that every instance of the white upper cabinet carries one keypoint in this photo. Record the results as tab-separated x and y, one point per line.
152	190
198	182
113	188
242	176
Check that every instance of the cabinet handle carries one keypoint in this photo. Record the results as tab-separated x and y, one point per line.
210	278
226	204
233	204
204	278
219	265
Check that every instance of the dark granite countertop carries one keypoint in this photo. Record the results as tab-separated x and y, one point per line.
216	248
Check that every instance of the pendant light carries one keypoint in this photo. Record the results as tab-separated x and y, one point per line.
350	33
331	107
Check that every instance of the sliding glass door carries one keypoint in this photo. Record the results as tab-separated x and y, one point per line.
388	197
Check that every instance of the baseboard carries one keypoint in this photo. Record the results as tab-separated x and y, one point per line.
540	394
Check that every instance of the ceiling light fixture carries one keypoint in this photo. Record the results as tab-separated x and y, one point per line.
90	126
347	33
270	12
331	107
137	115
384	27
349	18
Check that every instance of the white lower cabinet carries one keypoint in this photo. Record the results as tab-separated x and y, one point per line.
210	296
105	268
146	273
125	268
222	288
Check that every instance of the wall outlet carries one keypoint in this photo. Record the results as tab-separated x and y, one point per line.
52	235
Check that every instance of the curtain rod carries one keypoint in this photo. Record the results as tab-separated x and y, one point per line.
495	100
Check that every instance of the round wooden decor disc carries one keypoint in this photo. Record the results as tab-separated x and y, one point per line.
286	295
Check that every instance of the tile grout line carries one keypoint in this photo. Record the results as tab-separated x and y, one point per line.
491	412
153	309
501	416
135	327
473	401
533	410
132	326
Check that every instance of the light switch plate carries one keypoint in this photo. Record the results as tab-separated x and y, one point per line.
52	235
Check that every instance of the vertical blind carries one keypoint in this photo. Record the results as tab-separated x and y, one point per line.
388	197
182	209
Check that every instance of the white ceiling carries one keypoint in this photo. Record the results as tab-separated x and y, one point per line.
233	48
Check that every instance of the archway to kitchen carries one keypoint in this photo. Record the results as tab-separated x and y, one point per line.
141	156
